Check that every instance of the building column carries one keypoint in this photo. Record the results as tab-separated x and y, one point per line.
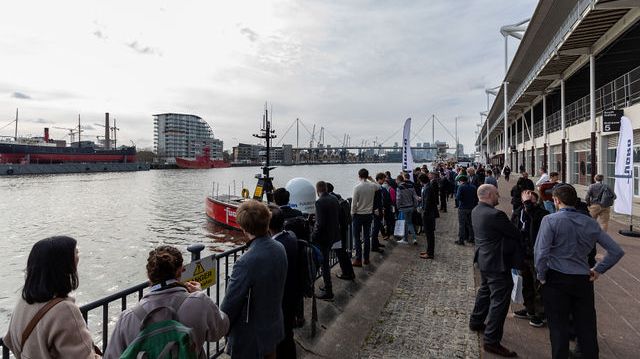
545	160
592	115
516	166
533	145
564	135
506	119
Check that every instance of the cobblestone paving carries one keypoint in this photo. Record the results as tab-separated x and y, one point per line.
427	315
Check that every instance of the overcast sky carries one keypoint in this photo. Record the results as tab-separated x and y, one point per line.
353	66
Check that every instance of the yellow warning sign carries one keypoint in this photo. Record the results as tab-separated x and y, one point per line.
199	269
202	271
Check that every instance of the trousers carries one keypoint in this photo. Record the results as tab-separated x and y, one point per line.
492	304
465	229
429	223
566	296
362	225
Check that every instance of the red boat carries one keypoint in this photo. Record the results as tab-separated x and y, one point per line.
222	209
202	161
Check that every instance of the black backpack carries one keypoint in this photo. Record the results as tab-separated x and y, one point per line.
299	226
344	216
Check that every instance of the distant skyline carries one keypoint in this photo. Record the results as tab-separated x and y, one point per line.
359	67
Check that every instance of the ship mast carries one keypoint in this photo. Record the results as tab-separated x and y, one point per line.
267	134
16	132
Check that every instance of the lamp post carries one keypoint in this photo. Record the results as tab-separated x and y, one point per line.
517	31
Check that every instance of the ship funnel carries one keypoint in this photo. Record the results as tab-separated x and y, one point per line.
107	130
46	134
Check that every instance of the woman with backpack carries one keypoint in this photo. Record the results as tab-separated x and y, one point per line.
192	307
46	322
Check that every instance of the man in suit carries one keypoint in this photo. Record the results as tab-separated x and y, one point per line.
429	205
497	251
325	233
292	293
253	300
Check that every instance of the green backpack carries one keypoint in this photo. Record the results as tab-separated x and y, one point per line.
164	339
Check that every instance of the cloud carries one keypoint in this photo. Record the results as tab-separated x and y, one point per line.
20	95
250	34
41	120
100	35
145	50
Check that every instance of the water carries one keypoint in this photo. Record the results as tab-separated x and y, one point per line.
118	217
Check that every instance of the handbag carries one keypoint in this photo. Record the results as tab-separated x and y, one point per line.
398	231
516	292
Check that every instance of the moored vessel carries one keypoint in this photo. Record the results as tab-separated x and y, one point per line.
201	161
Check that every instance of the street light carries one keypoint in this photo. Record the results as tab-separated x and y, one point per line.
517	31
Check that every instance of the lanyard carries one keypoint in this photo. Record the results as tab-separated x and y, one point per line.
163	284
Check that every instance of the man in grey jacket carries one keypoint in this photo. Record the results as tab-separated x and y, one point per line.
497	245
253	300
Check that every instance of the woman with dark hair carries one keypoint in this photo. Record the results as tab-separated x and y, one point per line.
46	322
193	307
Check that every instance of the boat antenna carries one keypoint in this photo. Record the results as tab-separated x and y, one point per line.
267	134
16	132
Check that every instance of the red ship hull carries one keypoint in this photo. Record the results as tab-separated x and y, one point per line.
200	163
223	210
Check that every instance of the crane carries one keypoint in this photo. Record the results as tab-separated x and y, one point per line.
113	130
72	132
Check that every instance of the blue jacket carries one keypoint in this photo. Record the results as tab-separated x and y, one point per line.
253	300
467	196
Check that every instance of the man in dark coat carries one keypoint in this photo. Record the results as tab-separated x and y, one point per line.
429	205
528	218
253	300
325	233
281	198
497	251
344	253
292	293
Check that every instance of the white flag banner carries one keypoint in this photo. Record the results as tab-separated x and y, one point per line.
407	157
624	169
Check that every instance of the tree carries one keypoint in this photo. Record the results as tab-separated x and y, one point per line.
146	156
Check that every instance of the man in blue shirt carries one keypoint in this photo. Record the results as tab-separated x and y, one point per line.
562	246
467	199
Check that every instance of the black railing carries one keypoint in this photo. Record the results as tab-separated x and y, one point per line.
227	258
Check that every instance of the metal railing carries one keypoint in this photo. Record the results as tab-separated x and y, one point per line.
223	260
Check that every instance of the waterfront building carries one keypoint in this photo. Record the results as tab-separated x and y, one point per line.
575	60
183	135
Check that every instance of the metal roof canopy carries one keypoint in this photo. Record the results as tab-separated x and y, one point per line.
557	42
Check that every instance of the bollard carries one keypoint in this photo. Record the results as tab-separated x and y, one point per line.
195	250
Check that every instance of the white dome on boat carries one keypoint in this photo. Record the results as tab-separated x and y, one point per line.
302	195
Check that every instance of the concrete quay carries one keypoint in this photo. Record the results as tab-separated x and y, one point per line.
402	306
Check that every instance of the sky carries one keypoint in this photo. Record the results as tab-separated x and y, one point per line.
357	67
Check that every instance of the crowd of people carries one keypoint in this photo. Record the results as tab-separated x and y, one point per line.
549	241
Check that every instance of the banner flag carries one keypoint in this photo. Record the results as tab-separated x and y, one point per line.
407	157
624	169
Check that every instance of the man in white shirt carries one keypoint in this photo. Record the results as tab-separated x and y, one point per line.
362	214
544	177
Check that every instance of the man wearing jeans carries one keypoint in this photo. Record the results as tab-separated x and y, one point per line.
467	200
561	251
362	213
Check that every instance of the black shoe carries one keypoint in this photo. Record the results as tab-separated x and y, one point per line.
477	327
522	314
345	277
535	321
379	250
381	246
459	243
324	295
499	350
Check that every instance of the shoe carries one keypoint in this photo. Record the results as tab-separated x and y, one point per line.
324	295
499	350
535	321
425	253
522	314
345	277
426	256
477	327
459	243
356	263
381	246
366	262
415	242
402	241
471	242
379	250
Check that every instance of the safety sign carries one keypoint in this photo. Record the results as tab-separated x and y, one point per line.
202	271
